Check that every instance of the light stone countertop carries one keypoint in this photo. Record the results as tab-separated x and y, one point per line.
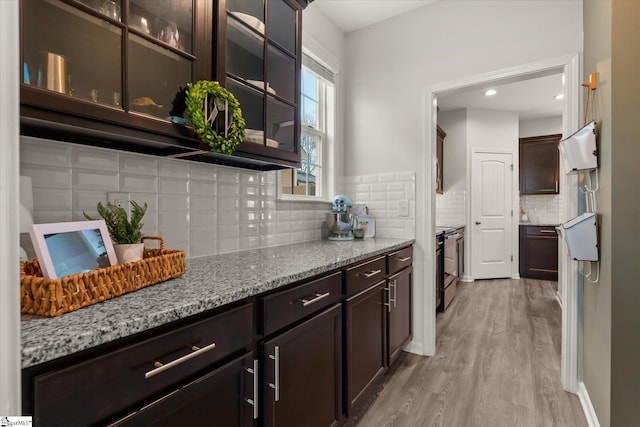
209	282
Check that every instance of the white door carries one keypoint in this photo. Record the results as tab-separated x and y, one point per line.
491	214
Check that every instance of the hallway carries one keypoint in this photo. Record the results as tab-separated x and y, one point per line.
497	364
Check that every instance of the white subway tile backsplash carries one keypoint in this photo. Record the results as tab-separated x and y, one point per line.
41	152
173	168
381	193
202	203
85	200
94	159
543	209
47	176
201	219
87	179
173	185
138	164
200	208
202	172
48	199
173	202
173	219
138	183
203	188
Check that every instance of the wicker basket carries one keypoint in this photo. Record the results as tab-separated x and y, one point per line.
53	297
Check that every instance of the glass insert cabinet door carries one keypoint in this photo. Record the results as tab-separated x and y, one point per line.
131	55
261	69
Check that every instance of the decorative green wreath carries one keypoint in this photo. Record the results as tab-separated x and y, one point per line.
198	107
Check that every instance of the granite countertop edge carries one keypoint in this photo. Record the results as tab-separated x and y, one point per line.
210	282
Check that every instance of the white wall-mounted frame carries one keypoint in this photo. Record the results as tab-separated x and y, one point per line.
10	386
568	273
77	237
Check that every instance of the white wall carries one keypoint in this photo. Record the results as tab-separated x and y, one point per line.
9	181
454	124
389	64
542	126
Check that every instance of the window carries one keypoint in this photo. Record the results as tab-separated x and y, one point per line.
312	180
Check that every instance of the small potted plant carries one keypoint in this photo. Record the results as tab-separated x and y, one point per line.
125	231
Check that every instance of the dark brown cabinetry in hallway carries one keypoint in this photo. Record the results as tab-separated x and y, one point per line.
539	165
538	252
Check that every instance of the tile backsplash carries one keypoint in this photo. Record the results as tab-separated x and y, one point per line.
451	207
543	209
382	194
200	208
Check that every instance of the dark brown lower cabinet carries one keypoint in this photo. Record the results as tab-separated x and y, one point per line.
223	397
366	317
538	252
399	311
303	373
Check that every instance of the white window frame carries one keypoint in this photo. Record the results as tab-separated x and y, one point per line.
325	183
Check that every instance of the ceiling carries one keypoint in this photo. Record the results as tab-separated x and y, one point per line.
352	15
531	99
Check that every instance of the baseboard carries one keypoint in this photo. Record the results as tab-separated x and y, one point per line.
415	348
587	407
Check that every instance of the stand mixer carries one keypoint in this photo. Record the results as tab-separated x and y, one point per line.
339	220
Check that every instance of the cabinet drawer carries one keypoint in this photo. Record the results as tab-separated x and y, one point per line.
363	275
398	260
106	385
548	231
286	307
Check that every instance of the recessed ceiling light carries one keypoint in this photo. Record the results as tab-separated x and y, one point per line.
559	96
490	92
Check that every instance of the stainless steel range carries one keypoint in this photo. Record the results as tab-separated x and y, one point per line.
453	262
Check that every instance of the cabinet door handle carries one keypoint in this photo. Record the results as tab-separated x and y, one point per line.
556	185
370	273
395	293
316	297
254	402
548	231
161	367
388	303
407	258
276	364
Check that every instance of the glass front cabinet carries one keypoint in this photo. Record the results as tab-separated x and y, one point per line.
110	73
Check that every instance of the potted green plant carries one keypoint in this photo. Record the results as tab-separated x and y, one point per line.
125	230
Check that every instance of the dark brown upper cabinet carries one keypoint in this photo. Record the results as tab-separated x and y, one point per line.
539	165
258	57
106	72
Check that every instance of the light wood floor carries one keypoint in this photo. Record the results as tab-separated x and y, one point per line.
497	365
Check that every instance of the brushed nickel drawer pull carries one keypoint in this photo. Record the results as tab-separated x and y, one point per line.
407	258
369	273
316	297
161	367
548	231
254	402
276	365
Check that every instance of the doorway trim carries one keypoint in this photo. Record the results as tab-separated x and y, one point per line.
570	65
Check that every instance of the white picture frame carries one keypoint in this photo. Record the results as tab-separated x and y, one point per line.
66	248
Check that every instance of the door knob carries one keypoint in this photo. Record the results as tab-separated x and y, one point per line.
478	223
